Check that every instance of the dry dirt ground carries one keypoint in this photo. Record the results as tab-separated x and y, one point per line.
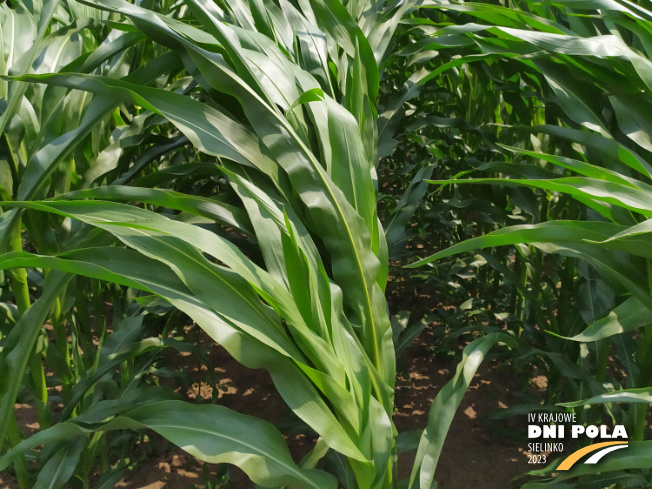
475	455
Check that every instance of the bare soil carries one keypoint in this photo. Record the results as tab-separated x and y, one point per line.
474	454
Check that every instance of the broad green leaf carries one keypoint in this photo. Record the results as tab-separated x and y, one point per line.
581	187
586	169
444	407
608	148
640	396
216	434
631	314
58	470
501	16
312	95
201	206
209	432
553	231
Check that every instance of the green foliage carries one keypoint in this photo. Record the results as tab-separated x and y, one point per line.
577	172
253	166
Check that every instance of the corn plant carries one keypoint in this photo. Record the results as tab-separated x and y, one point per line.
593	72
51	137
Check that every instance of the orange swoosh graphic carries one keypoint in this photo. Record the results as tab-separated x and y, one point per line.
575	456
